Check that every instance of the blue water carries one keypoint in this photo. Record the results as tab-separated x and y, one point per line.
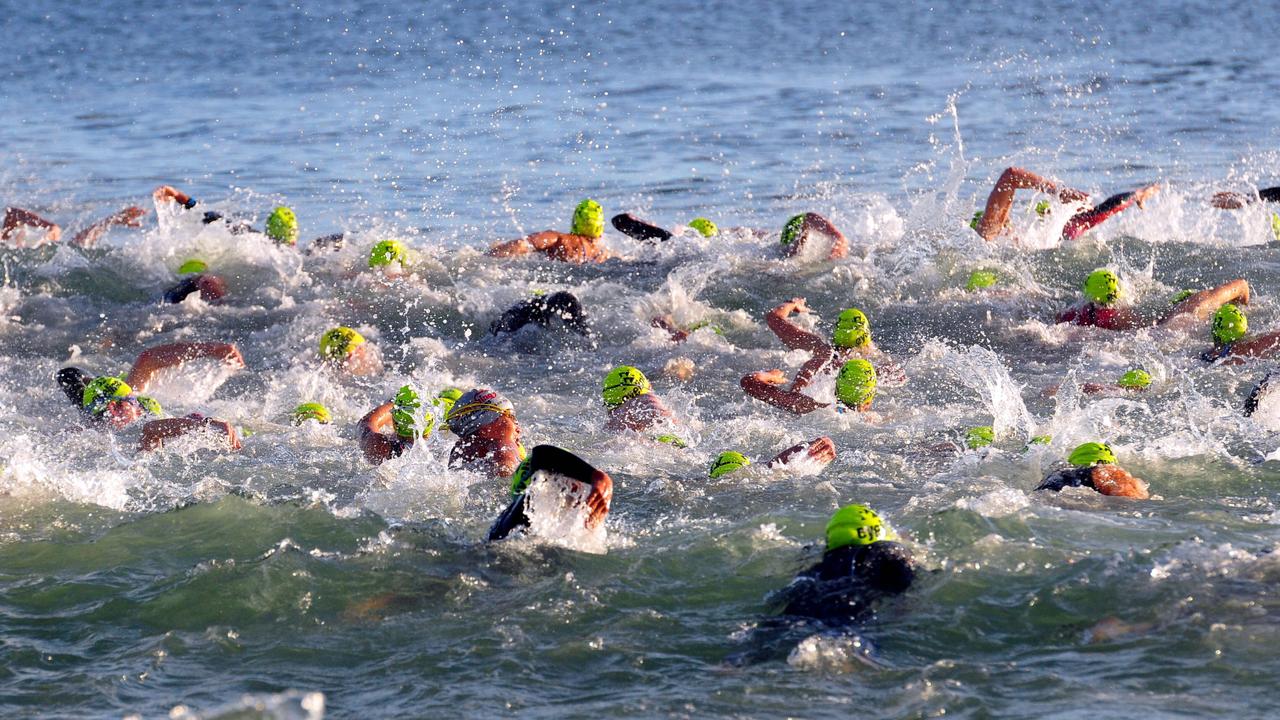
193	578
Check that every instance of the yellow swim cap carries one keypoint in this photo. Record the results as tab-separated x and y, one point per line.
282	226
624	382
856	383
387	252
311	411
727	462
855	525
588	219
337	344
852	330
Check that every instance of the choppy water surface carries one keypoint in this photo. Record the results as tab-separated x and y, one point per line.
197	583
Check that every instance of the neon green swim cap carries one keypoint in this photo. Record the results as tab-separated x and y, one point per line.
282	226
337	344
1275	225
588	219
446	399
852	330
704	226
977	217
672	440
1092	453
979	437
727	462
1040	440
1135	379
102	390
1182	295
624	382
1102	286
387	252
980	280
151	405
856	384
192	267
1043	207
520	478
791	231
855	525
1229	325
405	413
311	411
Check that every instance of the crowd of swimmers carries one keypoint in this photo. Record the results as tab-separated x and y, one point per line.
862	561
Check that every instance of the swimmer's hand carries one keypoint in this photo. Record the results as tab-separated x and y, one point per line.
156	432
169	193
129	217
796	304
1142	195
771	377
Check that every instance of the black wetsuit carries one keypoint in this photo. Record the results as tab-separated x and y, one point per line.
845	585
1260	391
541	310
73	381
542	457
1069	477
635	228
1271	194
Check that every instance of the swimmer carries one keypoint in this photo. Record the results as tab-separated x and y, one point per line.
580	245
850	339
1236	200
1230	346
796	234
630	401
680	334
862	564
1103	291
644	231
855	389
313	411
540	311
1093	465
111	401
551	459
390	429
198	279
820	450
281	226
345	349
488	434
1135	380
23	227
994	220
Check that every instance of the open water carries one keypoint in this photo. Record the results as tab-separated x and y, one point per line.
195	583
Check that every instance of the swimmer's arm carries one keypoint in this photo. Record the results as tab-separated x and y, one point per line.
128	217
821	356
563	462
160	357
790	334
821	449
1116	481
15	218
839	243
764	386
1266	345
511	248
996	214
169	193
155	432
1206	302
375	441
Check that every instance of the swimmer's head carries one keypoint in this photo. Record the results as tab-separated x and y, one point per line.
672	440
588	219
1043	207
1135	379
150	405
475	409
311	411
282	226
980	280
521	478
977	217
387	252
852	330
102	390
1102	286
337	344
791	231
704	226
979	437
404	408
1229	325
623	382
1092	453
727	462
855	525
856	384
192	267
